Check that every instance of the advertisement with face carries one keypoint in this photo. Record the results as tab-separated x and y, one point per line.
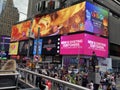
20	31
83	44
96	19
50	45
13	48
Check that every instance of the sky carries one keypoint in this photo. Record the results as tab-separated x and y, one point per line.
22	6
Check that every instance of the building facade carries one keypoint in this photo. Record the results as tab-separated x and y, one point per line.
41	6
8	16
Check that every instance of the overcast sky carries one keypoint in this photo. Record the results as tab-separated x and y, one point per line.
22	6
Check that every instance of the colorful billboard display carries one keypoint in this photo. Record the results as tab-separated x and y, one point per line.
97	44
64	21
72	44
39	43
13	48
20	31
83	44
84	16
50	45
24	46
96	19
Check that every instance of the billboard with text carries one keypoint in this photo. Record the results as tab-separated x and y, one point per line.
96	19
83	44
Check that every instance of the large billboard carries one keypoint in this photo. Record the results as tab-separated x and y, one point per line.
96	19
83	44
13	48
64	21
24	45
37	47
50	45
20	31
84	16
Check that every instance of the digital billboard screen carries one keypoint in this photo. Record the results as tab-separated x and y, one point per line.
50	45
24	45
13	48
20	31
83	44
37	47
63	21
96	19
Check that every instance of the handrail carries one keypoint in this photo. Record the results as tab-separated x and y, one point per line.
67	84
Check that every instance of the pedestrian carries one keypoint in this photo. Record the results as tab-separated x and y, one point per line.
84	81
113	84
91	85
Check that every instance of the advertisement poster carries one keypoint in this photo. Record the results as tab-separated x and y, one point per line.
97	44
83	44
39	49
72	44
96	19
24	46
64	21
50	45
13	49
20	31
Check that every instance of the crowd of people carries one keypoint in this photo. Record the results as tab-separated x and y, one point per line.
107	82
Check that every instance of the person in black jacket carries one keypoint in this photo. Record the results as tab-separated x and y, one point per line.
84	81
39	81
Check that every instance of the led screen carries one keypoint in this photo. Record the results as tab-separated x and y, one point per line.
97	44
50	45
64	21
39	49
13	48
83	44
96	19
24	46
20	31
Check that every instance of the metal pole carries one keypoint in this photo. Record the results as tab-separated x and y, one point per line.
38	40
29	38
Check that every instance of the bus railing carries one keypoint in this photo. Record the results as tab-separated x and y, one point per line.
25	74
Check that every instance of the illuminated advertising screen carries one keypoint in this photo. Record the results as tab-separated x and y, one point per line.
64	21
13	48
96	19
72	44
50	45
83	44
24	46
20	31
97	44
39	47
